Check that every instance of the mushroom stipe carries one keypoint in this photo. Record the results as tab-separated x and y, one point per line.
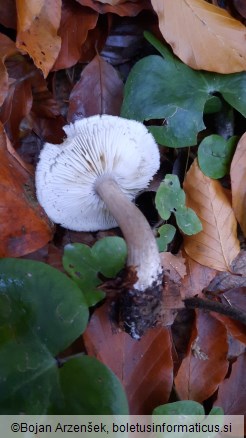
88	183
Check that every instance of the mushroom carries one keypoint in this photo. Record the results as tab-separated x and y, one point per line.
88	184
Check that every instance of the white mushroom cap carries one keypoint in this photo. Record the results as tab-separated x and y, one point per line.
96	147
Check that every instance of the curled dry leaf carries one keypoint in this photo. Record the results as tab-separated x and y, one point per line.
216	246
240	7
124	8
238	186
202	35
175	264
145	367
7	48
198	277
237	299
38	23
8	14
205	365
99	91
76	21
18	101
232	391
24	227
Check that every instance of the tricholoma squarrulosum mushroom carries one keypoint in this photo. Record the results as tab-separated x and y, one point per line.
88	183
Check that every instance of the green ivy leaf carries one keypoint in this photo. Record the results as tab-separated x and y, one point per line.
166	233
162	87
215	155
43	312
89	388
169	196
188	413
188	221
185	407
83	264
110	253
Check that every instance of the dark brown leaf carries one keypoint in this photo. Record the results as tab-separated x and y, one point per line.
232	391
128	8
8	14
45	117
144	367
99	91
76	21
18	101
206	364
7	48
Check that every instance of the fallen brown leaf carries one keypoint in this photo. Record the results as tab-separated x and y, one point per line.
38	23
206	364
216	245
125	8
238	186
198	278
144	367
99	91
240	7
174	264
24	227
202	35
8	14
232	391
7	48
76	21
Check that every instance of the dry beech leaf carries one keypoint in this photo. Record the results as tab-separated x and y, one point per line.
240	6
232	391
206	364
216	245
145	367
99	91
124	8
202	35
38	23
8	14
236	298
198	278
24	227
238	186
7	48
175	264
18	101
76	21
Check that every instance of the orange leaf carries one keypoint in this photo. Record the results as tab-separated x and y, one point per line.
76	21
198	278
7	48
24	227
238	186
216	245
202	35
99	91
206	364
144	367
38	22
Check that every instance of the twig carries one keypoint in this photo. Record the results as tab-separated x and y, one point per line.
231	312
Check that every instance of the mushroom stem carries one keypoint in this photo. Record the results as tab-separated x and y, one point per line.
142	249
139	306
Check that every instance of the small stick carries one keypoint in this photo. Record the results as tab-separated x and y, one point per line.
223	309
